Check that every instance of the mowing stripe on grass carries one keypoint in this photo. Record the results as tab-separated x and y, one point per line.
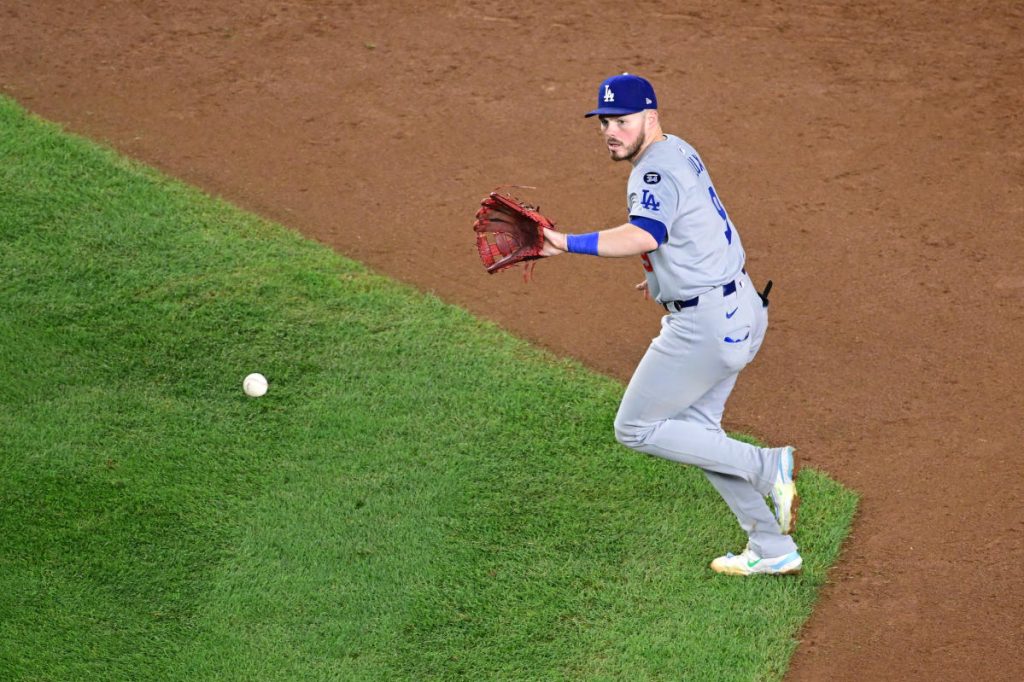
383	513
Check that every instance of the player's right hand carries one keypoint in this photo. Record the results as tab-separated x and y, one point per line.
643	287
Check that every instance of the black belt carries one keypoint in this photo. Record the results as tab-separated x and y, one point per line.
727	288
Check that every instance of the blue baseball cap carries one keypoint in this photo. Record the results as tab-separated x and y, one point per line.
624	94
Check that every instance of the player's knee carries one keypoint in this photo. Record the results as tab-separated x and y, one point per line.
630	433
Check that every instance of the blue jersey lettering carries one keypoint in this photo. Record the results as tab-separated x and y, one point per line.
649	202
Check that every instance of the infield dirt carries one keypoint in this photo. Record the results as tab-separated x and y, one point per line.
870	154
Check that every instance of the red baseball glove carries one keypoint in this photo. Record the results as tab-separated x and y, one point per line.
509	232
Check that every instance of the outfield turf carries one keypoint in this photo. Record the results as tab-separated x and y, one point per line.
400	505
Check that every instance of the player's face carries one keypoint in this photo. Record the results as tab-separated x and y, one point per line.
624	135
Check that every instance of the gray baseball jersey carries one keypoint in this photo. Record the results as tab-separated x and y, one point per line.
673	405
701	248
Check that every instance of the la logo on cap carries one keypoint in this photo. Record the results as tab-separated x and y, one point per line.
623	95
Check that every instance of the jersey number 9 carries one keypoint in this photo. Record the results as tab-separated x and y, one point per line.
721	211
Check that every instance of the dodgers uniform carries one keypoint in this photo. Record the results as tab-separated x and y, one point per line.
715	324
716	321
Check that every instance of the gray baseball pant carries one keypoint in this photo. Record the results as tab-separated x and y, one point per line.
673	405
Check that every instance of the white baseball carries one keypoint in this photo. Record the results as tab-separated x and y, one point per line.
255	385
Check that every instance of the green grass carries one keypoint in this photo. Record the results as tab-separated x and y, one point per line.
401	505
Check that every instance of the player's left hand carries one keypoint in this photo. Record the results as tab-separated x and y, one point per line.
643	287
509	232
554	242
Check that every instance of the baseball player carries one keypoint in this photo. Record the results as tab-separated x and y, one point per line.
693	261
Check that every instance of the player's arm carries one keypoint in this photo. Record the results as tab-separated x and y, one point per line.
615	242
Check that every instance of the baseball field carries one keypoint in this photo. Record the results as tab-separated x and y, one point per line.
158	523
398	506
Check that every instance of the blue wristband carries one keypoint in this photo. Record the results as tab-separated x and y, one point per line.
582	243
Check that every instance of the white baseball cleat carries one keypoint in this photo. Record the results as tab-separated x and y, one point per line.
749	563
783	494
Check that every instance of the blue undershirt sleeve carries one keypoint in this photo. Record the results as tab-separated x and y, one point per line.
653	227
